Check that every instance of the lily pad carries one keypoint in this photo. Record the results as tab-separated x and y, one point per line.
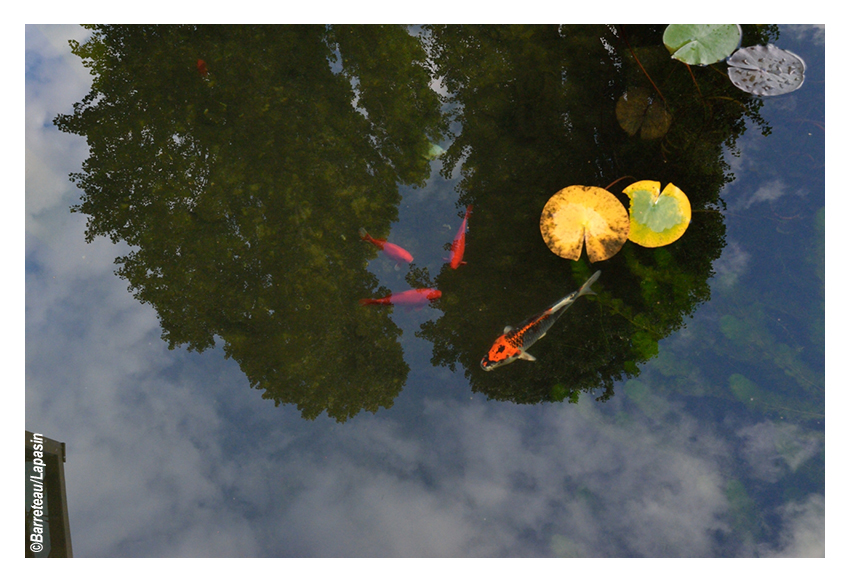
640	110
580	216
702	44
657	218
766	70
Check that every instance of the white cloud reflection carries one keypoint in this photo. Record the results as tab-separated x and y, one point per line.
171	454
815	33
731	265
771	449
769	192
803	530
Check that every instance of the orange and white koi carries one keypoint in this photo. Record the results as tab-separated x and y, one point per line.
411	298
393	251
514	342
459	243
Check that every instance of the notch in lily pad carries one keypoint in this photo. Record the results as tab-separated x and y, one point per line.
580	216
657	218
702	44
766	70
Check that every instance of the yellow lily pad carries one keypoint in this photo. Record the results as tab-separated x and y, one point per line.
657	218
584	216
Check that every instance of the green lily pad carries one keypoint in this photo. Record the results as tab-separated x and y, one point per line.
640	110
657	218
702	44
766	70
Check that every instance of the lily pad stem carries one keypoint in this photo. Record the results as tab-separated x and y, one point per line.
695	80
637	60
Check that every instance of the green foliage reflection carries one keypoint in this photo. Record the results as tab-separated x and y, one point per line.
240	184
235	164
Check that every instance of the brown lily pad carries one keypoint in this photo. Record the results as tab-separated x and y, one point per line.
639	110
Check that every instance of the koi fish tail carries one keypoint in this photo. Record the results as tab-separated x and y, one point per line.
377	242
585	289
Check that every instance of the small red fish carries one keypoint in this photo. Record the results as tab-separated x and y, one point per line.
411	298
394	252
459	243
202	67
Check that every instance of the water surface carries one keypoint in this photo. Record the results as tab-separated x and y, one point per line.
243	403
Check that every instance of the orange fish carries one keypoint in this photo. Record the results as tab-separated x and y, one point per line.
459	243
202	67
411	298
514	342
394	252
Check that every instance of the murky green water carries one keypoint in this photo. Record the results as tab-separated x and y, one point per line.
679	412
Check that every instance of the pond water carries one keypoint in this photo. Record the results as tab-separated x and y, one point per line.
223	391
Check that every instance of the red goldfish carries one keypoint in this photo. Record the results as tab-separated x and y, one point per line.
514	342
202	67
459	243
394	252
411	298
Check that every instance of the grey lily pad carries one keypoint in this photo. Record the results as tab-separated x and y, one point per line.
766	70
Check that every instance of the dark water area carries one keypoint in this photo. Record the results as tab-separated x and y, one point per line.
202	326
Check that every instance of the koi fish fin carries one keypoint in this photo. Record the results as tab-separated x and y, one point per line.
507	329
527	356
585	289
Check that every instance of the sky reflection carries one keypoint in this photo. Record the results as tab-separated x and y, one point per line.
171	453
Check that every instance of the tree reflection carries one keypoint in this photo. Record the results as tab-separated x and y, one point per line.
239	163
239	166
537	109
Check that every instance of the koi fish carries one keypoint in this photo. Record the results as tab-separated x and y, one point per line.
411	298
202	67
394	252
514	342
459	243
